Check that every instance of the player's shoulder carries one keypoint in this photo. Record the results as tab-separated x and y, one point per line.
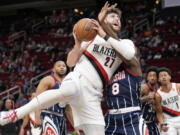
47	79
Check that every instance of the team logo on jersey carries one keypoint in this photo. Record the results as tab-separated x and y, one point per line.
49	131
49	127
170	100
104	50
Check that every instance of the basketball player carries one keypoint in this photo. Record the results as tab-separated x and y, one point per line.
30	119
83	87
168	103
123	94
124	116
53	118
148	91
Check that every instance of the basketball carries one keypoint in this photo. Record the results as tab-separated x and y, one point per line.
84	29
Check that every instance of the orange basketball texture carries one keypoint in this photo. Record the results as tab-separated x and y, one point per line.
84	29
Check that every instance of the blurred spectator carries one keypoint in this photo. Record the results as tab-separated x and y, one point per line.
11	97
12	128
3	86
21	100
1	105
143	64
157	56
160	21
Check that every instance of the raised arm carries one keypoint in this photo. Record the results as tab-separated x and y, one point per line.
75	53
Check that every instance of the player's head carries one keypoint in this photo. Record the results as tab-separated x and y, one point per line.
151	75
113	17
164	75
60	68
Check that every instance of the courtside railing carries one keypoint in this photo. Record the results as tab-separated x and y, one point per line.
141	25
12	91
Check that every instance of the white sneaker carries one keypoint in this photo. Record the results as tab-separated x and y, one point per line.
7	117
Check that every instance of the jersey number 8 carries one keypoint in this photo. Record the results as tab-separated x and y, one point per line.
115	89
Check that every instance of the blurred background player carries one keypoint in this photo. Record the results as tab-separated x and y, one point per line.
30	120
148	91
168	103
53	118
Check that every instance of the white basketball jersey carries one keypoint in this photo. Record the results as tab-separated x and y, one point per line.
170	102
98	62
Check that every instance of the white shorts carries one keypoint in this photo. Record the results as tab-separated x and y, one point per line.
85	100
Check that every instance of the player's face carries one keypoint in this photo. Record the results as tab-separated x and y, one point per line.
164	78
114	20
152	77
60	68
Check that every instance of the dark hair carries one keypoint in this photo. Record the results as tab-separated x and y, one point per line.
164	69
114	10
151	69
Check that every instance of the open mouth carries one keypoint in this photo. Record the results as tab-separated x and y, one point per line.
116	25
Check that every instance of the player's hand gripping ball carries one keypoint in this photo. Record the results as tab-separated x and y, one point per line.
84	29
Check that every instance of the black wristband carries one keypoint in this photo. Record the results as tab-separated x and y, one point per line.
106	37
